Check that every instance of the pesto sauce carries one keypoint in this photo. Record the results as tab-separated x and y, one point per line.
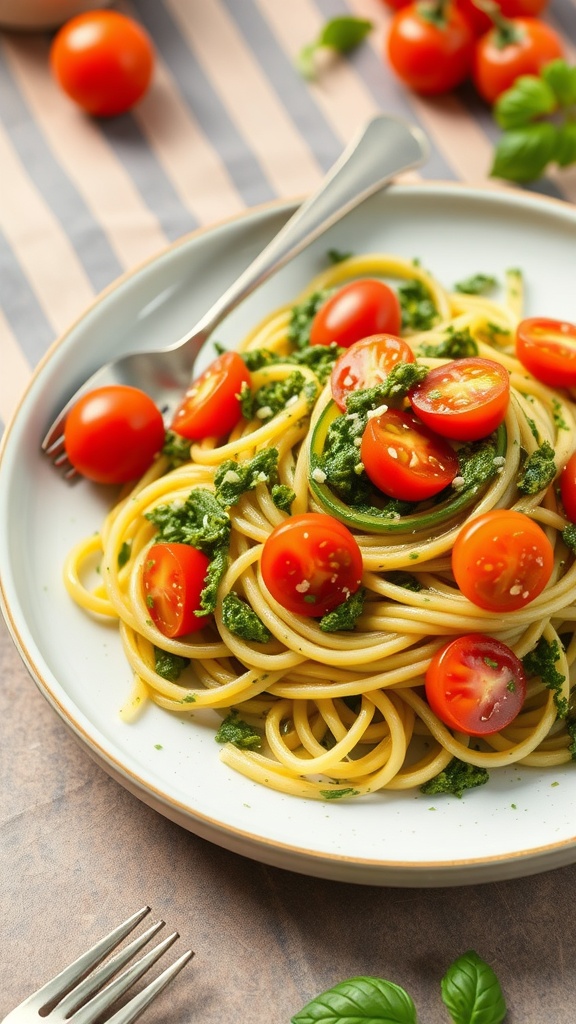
242	620
455	779
238	732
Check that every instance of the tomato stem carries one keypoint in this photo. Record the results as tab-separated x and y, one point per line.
435	12
506	31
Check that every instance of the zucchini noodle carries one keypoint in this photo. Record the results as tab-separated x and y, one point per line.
344	713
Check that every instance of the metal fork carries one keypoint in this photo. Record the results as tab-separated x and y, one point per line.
384	148
77	995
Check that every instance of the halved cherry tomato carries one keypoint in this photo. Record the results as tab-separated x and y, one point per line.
476	685
547	348
173	578
357	310
465	399
211	406
567	481
430	45
367	363
502	560
513	47
103	60
311	563
112	434
404	459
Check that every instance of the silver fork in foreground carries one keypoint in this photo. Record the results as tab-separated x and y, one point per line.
384	148
81	995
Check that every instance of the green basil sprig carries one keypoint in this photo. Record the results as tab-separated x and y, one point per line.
538	115
470	991
339	34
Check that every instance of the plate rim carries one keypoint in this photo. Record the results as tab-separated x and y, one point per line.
368	870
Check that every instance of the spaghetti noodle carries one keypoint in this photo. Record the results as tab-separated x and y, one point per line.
344	712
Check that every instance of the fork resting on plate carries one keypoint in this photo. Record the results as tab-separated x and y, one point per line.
384	148
81	995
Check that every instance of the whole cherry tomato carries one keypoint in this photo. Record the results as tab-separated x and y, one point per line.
502	560
173	578
396	5
475	684
211	406
547	348
481	21
465	399
112	434
513	47
103	60
367	363
522	8
311	563
404	459
355	311
430	45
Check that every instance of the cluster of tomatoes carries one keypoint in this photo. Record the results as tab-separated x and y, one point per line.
435	45
311	562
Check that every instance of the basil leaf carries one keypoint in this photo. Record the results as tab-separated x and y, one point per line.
359	1001
343	34
527	99
339	34
522	154
305	61
562	80
566	146
472	993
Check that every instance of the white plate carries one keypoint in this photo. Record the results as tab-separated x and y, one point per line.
522	821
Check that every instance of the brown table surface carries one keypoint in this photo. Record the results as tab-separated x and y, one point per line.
78	854
228	124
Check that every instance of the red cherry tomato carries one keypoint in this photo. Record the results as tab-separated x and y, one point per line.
430	46
482	22
465	399
173	578
522	8
476	685
404	459
502	560
112	434
547	348
357	310
396	5
522	48
311	563
103	60
367	363
567	482
479	21
211	406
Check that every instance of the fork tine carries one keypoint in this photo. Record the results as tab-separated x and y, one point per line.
56	451
132	1010
54	434
55	447
50	993
104	999
97	979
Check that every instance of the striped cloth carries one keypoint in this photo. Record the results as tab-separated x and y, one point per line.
227	124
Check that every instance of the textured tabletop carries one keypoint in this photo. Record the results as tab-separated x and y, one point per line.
227	125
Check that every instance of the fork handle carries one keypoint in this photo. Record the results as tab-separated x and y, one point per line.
384	148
